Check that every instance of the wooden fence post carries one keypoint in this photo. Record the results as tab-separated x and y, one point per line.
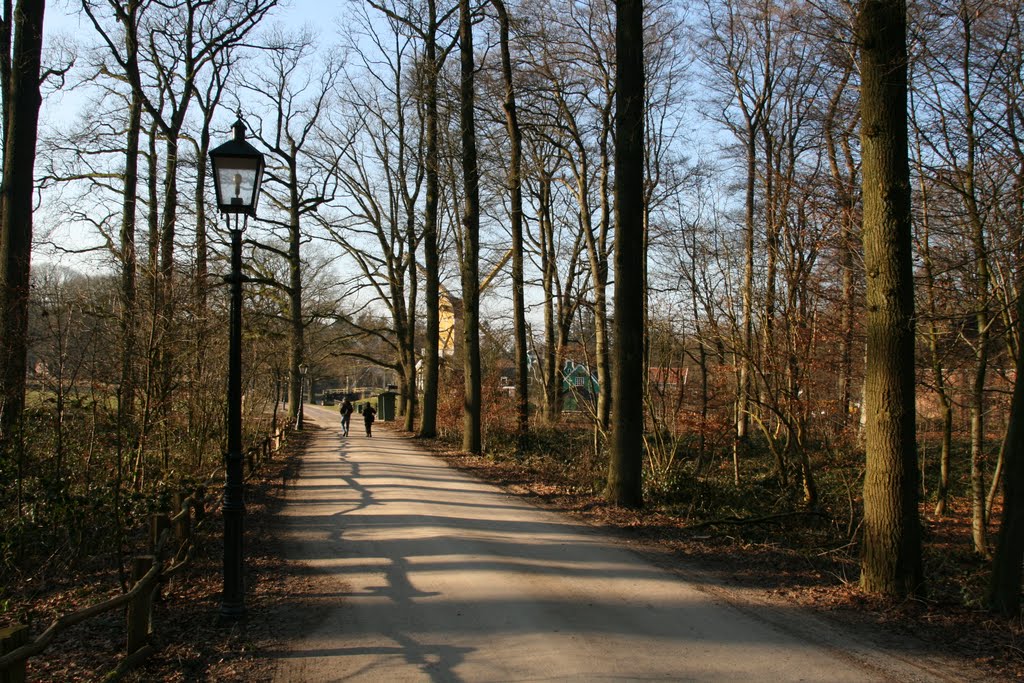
140	609
183	523
158	523
11	638
199	504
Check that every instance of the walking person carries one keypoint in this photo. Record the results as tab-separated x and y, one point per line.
369	413
346	415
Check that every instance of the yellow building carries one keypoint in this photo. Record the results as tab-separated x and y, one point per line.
446	323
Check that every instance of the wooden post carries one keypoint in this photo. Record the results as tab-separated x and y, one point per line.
250	458
199	496
140	609
158	523
11	638
183	525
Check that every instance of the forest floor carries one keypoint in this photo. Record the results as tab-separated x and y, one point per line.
192	646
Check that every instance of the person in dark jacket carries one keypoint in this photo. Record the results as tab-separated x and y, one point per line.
369	413
346	415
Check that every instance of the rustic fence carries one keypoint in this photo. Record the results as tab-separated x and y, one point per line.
148	572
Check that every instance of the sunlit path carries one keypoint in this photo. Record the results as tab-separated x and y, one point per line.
431	575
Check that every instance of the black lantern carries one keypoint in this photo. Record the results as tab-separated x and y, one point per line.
237	173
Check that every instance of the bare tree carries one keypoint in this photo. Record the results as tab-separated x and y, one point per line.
742	45
515	182
292	95
382	171
572	54
430	24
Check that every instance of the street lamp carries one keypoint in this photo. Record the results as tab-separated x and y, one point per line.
237	175
303	369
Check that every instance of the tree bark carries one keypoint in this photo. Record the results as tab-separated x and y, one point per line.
129	293
979	521
431	284
6	35
16	194
1004	586
891	552
625	483
516	217
472	440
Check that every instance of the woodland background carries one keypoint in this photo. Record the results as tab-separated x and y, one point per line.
754	333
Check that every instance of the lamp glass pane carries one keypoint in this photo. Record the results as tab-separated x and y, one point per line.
236	178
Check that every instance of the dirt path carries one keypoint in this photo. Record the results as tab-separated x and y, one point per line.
419	572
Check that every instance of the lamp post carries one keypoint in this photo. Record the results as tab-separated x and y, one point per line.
303	369
237	174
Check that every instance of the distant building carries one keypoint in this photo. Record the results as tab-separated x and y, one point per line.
450	309
667	378
579	385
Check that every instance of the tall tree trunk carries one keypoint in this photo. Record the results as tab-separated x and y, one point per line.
602	333
979	521
891	553
843	187
1005	583
431	264
409	388
934	352
129	294
515	189
405	282
199	424
549	365
153	336
747	333
472	439
6	35
625	482
16	195
1004	586
129	258
168	229
168	353
599	281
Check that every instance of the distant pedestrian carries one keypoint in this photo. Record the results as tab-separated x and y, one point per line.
369	413
346	415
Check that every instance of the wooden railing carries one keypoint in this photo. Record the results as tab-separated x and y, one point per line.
148	572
